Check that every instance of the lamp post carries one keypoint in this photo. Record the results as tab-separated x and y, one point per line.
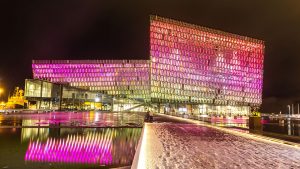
112	105
292	109
289	109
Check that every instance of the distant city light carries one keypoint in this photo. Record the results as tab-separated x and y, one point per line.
97	99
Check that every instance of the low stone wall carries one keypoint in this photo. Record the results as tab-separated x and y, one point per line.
137	151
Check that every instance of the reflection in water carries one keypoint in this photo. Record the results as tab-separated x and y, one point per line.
289	126
70	119
92	148
69	139
35	122
108	147
286	126
236	121
34	133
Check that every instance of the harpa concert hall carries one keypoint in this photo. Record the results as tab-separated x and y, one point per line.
191	70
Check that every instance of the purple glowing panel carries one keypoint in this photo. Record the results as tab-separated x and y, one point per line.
91	149
196	64
128	77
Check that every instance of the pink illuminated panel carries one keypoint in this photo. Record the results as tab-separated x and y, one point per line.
196	64
116	77
90	149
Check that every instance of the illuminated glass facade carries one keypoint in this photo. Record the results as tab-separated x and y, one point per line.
113	77
46	95
194	64
188	64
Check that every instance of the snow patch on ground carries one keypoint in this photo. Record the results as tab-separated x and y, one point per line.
195	146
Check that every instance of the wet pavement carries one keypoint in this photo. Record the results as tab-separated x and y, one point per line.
238	122
201	145
281	133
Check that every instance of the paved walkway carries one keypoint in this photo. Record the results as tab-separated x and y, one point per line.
161	118
194	144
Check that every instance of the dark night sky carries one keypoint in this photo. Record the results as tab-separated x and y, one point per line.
117	29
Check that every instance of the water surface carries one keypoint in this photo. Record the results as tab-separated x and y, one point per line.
69	140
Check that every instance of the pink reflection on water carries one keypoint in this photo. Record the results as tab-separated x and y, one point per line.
68	119
92	148
228	120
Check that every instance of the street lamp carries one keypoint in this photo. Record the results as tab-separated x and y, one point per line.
97	99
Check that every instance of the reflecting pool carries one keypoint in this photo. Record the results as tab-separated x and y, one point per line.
72	119
69	139
67	147
287	126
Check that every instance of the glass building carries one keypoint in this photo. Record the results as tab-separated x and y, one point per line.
192	70
128	78
221	72
48	95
